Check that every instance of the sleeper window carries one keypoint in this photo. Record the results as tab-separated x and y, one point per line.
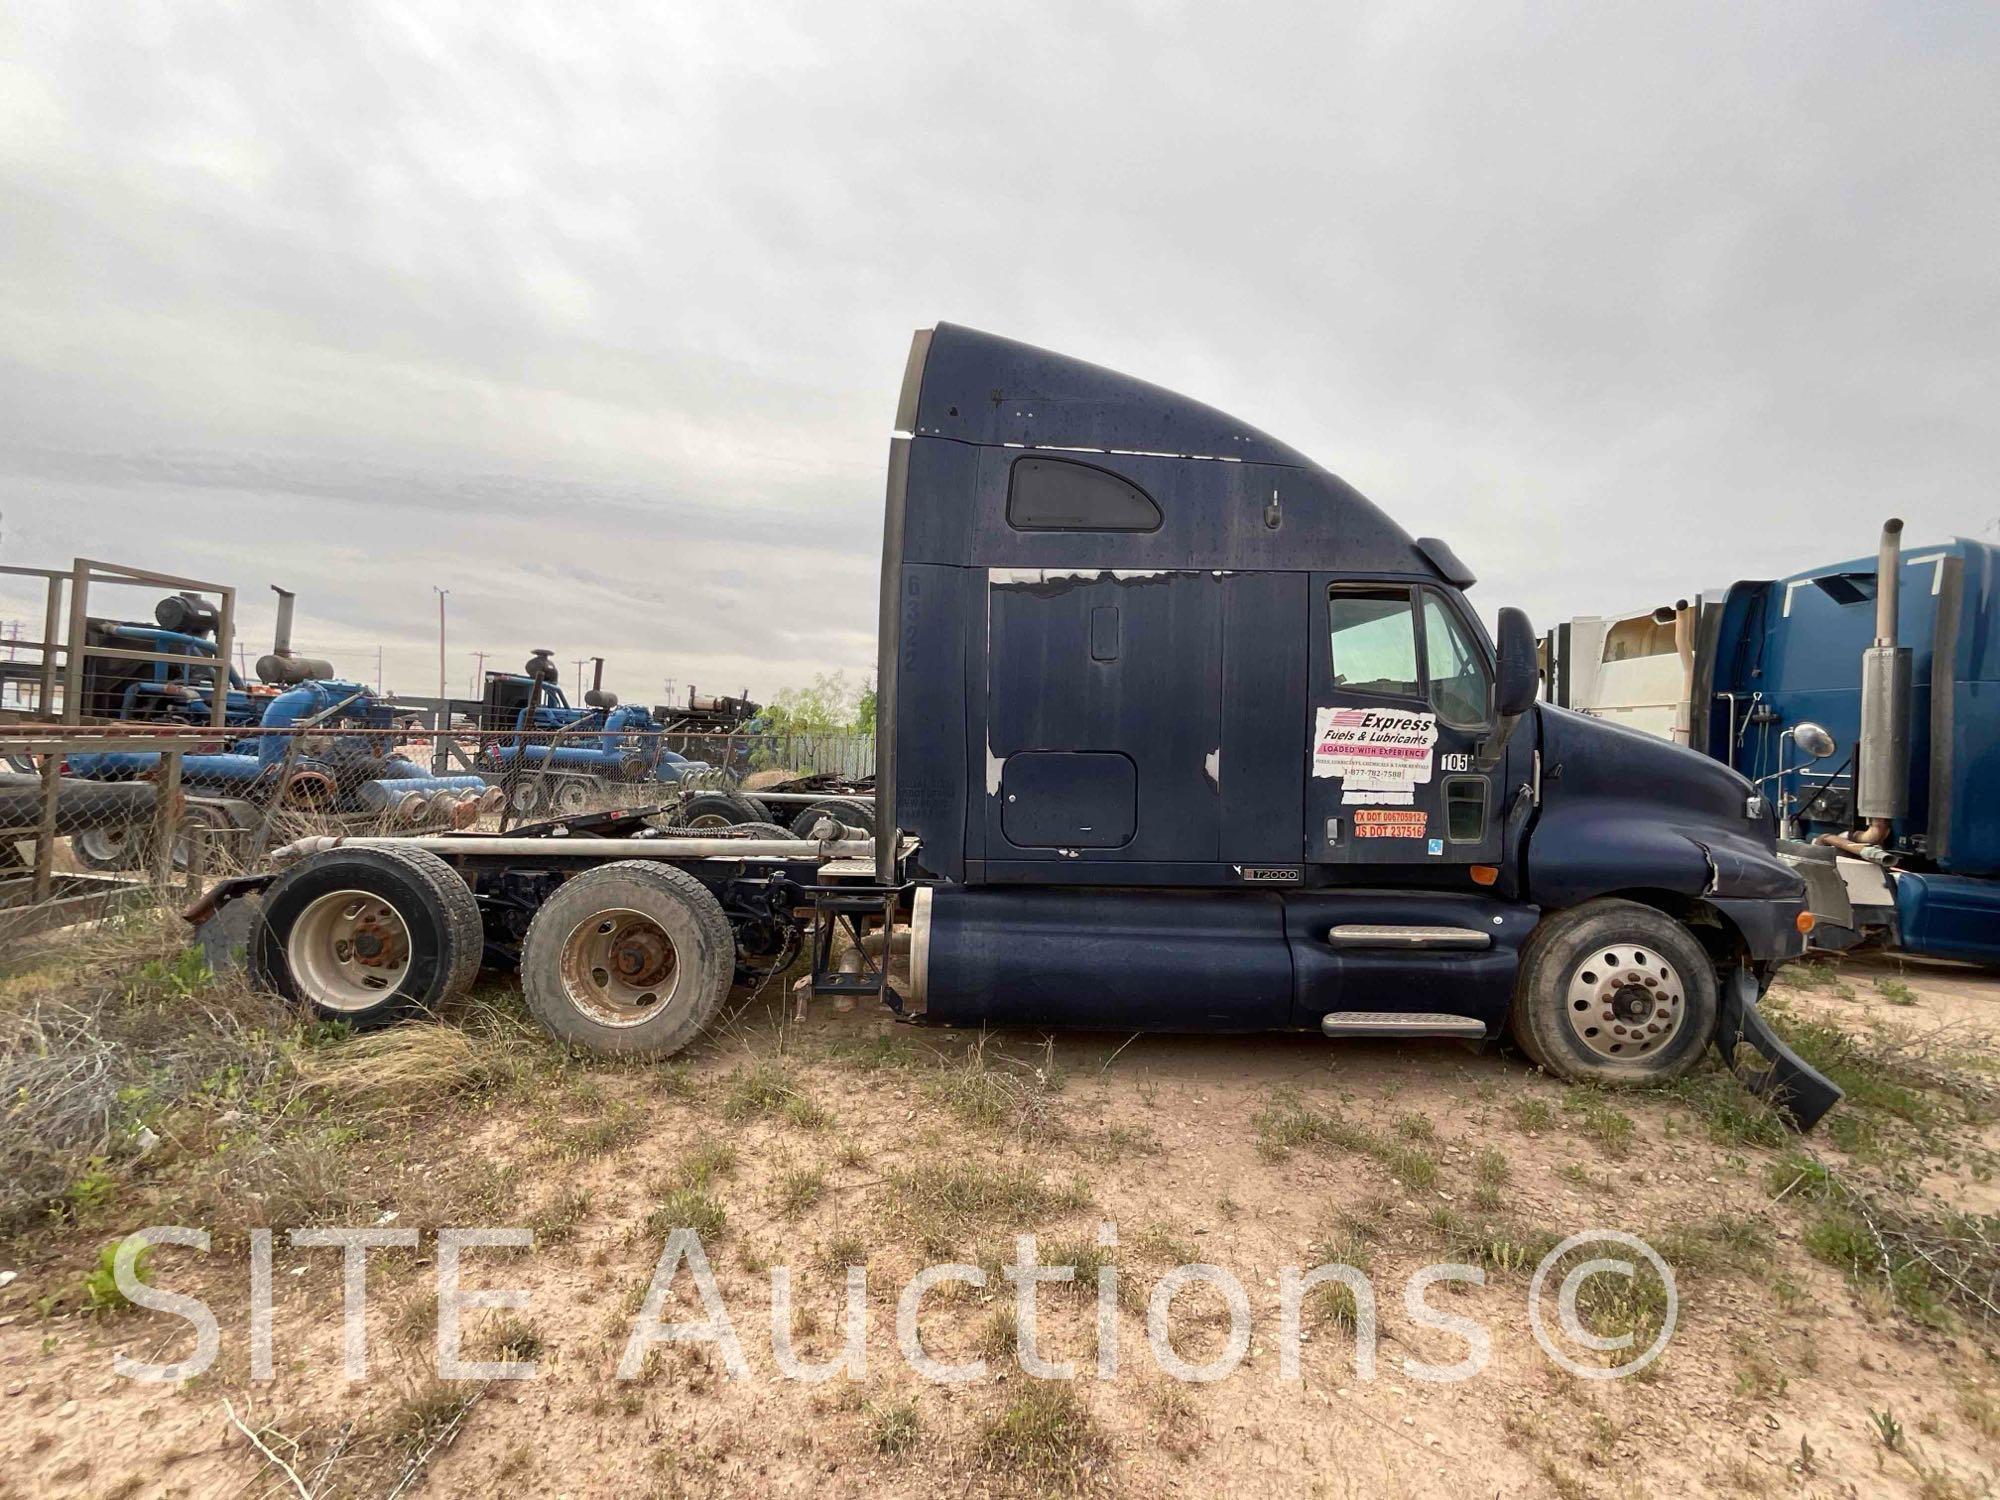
1374	642
1054	494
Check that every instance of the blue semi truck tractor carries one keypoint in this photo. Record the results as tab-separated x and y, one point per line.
1177	732
1864	698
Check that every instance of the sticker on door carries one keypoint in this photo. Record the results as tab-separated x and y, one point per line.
1391	823
1381	755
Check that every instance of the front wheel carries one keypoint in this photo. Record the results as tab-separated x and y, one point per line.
1616	993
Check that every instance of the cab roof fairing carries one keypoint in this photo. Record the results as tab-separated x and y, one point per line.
995	392
994	395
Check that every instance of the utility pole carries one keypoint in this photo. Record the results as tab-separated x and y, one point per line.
444	714
378	671
576	682
479	671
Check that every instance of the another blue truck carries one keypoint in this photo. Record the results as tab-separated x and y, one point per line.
1895	659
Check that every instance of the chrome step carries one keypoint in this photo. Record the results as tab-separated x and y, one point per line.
1379	935
1398	1023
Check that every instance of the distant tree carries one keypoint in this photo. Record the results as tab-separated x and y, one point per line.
827	707
812	727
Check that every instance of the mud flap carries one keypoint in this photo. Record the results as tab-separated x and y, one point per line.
225	921
1788	1083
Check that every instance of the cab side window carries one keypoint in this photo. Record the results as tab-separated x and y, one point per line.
1374	642
1460	687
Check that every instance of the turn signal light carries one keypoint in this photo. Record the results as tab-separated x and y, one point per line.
1485	874
1805	920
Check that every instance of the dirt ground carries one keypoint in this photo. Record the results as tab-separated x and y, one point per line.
1802	1362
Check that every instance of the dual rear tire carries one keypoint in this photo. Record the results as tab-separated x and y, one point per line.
719	809
845	810
630	959
627	959
367	934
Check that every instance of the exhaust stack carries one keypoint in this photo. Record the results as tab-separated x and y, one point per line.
597	697
281	668
1882	766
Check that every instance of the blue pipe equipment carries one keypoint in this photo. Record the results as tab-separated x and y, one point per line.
130	765
429	784
168	680
410	799
302	702
170	640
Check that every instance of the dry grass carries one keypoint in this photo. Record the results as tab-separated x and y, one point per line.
1044	1441
942	1202
111	1036
987	1088
123	1060
408	1067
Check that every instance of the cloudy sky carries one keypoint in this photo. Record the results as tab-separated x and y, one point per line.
594	314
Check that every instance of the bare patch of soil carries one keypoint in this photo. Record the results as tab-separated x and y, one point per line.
853	1140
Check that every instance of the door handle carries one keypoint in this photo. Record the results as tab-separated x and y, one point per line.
1333	831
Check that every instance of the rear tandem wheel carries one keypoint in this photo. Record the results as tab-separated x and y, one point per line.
628	959
364	934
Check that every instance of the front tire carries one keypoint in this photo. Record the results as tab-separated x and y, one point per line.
629	959
1615	992
367	934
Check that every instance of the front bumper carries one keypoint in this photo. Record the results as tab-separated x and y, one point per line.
1787	1082
1770	925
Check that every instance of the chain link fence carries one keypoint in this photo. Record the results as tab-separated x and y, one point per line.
96	818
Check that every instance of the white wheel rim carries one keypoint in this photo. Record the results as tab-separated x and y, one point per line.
348	951
710	820
1624	1001
104	844
573	797
619	967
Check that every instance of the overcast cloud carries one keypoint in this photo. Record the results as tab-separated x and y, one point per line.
595	314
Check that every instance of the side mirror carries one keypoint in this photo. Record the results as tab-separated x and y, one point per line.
1813	740
1517	677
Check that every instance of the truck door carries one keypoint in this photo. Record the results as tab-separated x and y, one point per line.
1402	692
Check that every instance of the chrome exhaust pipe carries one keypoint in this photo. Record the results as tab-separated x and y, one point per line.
1882	762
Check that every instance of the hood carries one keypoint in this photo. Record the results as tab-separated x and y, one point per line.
1591	755
1621	809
